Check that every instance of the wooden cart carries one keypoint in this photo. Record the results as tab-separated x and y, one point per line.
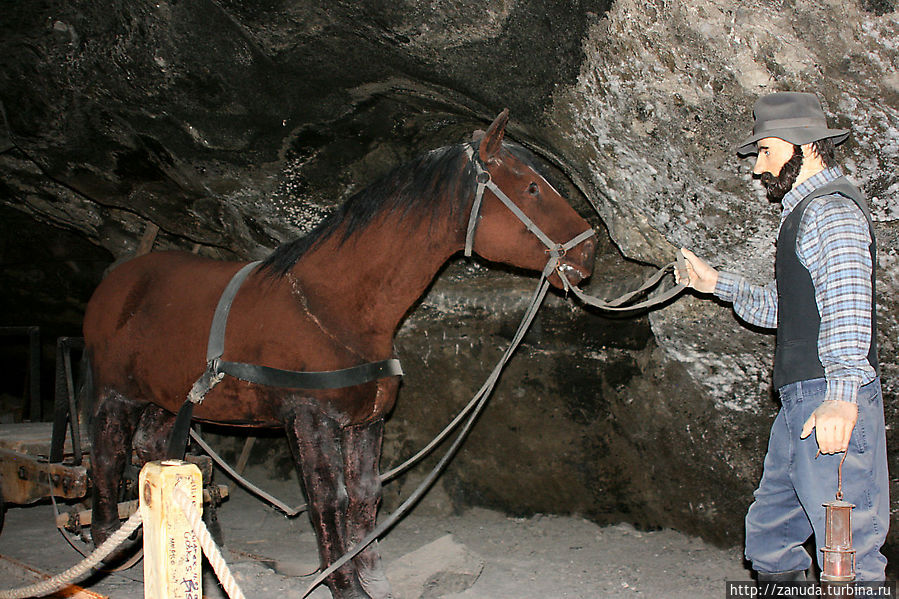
39	460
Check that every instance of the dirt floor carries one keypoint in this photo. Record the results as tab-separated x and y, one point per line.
478	554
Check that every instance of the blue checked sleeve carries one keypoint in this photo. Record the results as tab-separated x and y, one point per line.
833	245
753	303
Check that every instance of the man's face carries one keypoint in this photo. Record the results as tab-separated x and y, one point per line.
777	166
773	154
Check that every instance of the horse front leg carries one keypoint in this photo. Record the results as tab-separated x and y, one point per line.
114	422
316	443
362	456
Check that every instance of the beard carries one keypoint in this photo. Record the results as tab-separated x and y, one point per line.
777	187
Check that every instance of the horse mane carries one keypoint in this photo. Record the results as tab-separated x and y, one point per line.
419	187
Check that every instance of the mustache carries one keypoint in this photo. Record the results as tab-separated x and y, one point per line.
776	187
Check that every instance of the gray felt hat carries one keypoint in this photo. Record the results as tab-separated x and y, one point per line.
795	117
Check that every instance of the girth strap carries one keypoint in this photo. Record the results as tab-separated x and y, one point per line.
328	379
216	368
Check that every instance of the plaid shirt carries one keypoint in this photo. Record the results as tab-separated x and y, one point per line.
832	243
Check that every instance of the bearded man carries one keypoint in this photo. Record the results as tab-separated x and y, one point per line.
821	302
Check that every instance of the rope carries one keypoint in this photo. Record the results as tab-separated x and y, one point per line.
59	581
210	549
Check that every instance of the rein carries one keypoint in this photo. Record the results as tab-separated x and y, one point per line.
474	407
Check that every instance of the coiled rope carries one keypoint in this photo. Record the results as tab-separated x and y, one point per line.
76	572
210	550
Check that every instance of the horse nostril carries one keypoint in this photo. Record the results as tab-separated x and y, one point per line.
587	255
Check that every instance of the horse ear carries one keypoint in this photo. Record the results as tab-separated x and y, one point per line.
493	139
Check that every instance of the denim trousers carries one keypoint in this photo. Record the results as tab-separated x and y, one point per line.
788	506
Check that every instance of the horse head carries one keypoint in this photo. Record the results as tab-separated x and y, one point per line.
543	222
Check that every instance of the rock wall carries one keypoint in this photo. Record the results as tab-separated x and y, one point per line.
233	126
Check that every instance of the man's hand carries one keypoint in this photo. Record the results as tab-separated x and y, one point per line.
699	275
833	422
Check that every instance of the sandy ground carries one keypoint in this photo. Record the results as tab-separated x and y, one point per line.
478	554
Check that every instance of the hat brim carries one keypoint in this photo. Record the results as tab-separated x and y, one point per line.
797	135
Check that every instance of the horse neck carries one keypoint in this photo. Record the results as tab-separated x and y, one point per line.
363	287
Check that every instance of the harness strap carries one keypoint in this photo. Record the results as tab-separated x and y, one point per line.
485	181
476	205
216	346
216	368
327	379
557	250
526	221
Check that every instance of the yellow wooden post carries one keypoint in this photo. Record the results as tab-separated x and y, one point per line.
172	558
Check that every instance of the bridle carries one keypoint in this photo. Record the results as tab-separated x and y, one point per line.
485	181
556	251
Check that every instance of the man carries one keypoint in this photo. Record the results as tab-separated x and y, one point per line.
825	366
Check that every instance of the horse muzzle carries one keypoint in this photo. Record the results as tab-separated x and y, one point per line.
577	263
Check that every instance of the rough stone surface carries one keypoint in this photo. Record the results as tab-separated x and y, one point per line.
236	125
441	567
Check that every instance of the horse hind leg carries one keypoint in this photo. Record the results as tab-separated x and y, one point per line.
151	440
151	436
362	456
315	441
115	419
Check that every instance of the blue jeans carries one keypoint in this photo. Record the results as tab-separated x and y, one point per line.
788	503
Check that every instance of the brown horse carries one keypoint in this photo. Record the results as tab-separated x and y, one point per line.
327	301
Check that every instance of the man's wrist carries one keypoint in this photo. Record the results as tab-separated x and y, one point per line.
726	285
841	390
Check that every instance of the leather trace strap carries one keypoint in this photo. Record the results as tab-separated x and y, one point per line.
621	304
216	368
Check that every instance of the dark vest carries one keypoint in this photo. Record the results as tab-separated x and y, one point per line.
798	321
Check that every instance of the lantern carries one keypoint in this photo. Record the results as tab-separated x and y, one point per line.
839	556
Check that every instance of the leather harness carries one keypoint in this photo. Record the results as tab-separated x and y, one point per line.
216	368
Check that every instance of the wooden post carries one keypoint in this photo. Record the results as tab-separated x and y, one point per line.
172	557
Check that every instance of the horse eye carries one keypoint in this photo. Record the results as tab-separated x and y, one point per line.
533	189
